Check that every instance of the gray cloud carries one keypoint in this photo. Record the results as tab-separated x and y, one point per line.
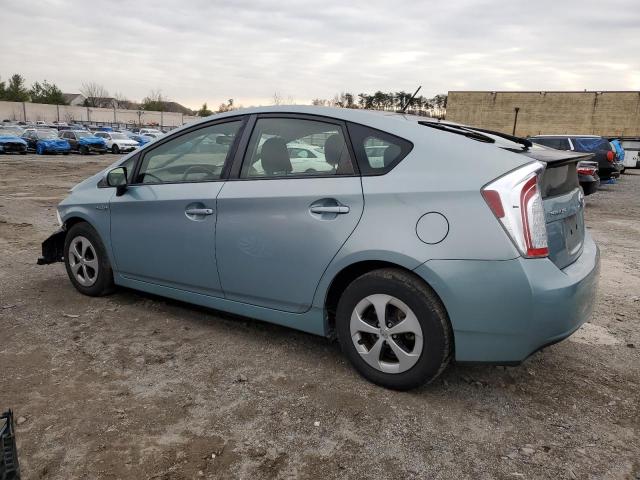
200	50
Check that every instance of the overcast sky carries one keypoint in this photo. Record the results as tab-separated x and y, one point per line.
205	50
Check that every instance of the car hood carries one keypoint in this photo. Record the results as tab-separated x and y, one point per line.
51	142
11	139
91	141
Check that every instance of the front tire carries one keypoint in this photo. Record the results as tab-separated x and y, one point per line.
86	261
40	150
115	149
84	150
393	329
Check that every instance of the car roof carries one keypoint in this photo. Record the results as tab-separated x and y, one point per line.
391	122
567	136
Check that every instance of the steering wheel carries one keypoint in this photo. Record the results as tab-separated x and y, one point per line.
199	169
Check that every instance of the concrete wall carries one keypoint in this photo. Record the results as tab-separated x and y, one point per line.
32	112
597	113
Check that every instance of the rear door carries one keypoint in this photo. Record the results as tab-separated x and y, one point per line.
163	227
281	222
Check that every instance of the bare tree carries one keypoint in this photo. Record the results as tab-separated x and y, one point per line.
277	99
120	101
94	93
154	101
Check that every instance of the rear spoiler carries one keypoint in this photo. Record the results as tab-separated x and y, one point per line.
556	158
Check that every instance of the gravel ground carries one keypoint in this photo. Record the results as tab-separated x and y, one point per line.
137	386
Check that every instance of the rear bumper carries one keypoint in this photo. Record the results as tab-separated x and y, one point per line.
503	311
94	148
609	172
127	148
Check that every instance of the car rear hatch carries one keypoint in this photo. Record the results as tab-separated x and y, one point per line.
562	198
563	202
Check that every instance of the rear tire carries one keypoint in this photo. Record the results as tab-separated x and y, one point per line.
417	327
40	150
84	150
115	149
87	262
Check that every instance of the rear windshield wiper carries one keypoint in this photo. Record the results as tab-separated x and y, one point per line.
459	130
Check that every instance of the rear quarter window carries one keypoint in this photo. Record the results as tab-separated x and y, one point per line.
377	152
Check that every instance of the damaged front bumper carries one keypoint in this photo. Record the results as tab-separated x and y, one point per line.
53	248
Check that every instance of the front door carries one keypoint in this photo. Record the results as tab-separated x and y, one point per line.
282	222
163	226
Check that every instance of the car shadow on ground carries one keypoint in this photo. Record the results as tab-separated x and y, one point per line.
546	367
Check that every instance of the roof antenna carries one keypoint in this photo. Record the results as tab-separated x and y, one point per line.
409	101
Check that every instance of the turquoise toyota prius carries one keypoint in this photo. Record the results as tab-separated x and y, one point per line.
413	242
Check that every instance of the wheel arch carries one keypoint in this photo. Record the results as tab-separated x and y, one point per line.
354	270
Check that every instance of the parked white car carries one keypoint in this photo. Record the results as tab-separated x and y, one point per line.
118	142
153	132
631	153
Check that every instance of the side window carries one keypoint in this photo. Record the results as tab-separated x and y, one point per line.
377	152
281	147
197	156
557	143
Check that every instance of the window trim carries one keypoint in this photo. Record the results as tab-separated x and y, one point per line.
361	154
225	168
243	151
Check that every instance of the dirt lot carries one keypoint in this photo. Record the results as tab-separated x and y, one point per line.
136	386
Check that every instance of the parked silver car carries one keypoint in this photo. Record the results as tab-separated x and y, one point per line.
417	242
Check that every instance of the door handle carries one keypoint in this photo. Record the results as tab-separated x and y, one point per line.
199	211
340	209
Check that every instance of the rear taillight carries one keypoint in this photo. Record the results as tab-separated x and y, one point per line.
516	202
610	156
586	171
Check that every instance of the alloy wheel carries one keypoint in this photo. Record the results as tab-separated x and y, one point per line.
386	333
83	261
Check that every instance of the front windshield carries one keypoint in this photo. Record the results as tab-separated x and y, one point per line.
119	136
83	134
10	132
47	134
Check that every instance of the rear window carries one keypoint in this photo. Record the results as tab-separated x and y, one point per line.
559	180
631	145
590	144
557	143
377	152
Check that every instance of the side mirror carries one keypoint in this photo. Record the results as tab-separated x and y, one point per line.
117	178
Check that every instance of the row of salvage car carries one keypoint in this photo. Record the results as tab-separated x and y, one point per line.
47	140
611	156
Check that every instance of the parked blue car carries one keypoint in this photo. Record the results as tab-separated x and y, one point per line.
141	139
84	142
10	141
44	141
407	265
